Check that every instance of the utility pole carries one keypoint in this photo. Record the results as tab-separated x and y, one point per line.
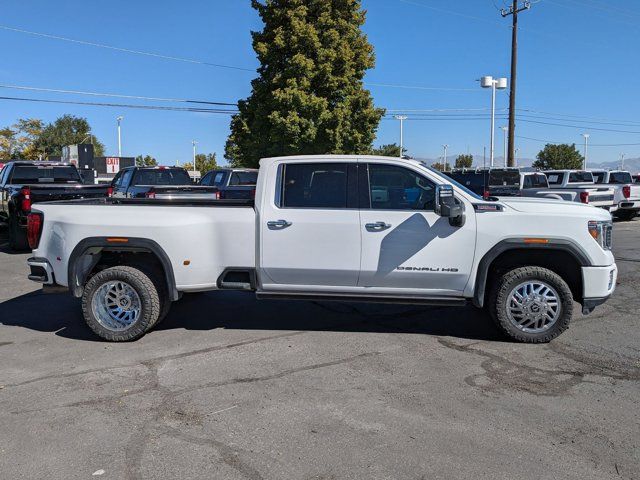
513	10
402	118
193	142
445	156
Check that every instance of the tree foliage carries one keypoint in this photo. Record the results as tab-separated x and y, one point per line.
438	166
66	130
146	161
18	141
553	157
204	163
389	150
309	95
464	161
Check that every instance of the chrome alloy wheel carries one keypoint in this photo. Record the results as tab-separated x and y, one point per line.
533	306
116	305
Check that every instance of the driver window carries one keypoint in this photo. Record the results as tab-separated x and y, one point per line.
398	188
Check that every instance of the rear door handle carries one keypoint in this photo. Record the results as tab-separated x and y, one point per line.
278	224
377	226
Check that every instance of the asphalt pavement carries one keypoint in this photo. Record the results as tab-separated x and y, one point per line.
228	387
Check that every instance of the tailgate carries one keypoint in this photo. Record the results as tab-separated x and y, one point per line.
186	192
601	197
41	193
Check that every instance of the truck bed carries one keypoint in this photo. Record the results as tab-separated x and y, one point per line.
158	202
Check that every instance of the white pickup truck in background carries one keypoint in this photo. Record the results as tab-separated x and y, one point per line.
579	186
356	228
626	192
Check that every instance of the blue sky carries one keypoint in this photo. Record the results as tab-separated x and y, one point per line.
576	58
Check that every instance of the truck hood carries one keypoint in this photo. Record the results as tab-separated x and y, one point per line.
553	206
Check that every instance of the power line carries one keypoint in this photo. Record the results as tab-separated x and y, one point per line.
126	50
590	144
421	87
581	127
114	95
124	105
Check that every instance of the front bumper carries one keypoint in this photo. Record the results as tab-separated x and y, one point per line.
599	284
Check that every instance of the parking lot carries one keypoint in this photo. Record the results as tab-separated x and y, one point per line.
228	387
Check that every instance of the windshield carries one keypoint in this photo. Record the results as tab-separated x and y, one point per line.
620	177
448	179
598	177
45	174
244	178
504	178
580	177
163	176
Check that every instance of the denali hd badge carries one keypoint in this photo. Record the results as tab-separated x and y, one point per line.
427	269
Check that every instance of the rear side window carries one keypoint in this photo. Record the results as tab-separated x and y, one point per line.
620	177
217	180
580	177
45	174
162	176
314	185
244	179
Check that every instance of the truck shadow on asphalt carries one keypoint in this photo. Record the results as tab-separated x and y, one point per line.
61	314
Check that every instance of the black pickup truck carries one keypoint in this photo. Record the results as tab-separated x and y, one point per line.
23	183
233	183
161	183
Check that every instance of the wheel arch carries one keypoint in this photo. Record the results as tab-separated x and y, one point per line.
512	251
87	254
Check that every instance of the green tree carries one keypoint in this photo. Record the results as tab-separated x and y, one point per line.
66	130
553	157
204	163
146	161
7	143
309	96
464	161
389	150
28	130
438	166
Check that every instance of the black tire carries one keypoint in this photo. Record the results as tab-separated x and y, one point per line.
499	298
164	310
625	215
17	235
147	293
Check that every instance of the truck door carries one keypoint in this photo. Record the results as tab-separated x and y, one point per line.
405	244
4	191
310	228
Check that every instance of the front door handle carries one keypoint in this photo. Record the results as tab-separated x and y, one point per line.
273	224
377	226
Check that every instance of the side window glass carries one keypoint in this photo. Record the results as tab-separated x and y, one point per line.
398	188
126	177
117	179
206	179
315	185
218	178
528	181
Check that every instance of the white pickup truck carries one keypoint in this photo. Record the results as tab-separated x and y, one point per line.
355	228
626	197
578	186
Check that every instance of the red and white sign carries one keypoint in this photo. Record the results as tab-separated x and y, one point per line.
113	164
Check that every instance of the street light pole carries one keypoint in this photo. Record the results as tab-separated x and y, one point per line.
402	118
119	119
622	161
493	84
445	156
504	131
586	147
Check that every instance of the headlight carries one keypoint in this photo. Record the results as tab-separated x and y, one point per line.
601	232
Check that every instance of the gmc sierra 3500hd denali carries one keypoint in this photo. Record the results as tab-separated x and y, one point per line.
358	228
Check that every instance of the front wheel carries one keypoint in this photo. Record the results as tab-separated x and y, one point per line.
531	304
625	215
120	304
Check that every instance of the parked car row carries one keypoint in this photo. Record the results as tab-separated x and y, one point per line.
614	191
23	183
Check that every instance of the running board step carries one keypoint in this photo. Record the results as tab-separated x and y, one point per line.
348	297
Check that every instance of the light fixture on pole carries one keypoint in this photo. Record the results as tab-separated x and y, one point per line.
445	157
119	119
504	131
402	118
586	147
493	84
193	142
